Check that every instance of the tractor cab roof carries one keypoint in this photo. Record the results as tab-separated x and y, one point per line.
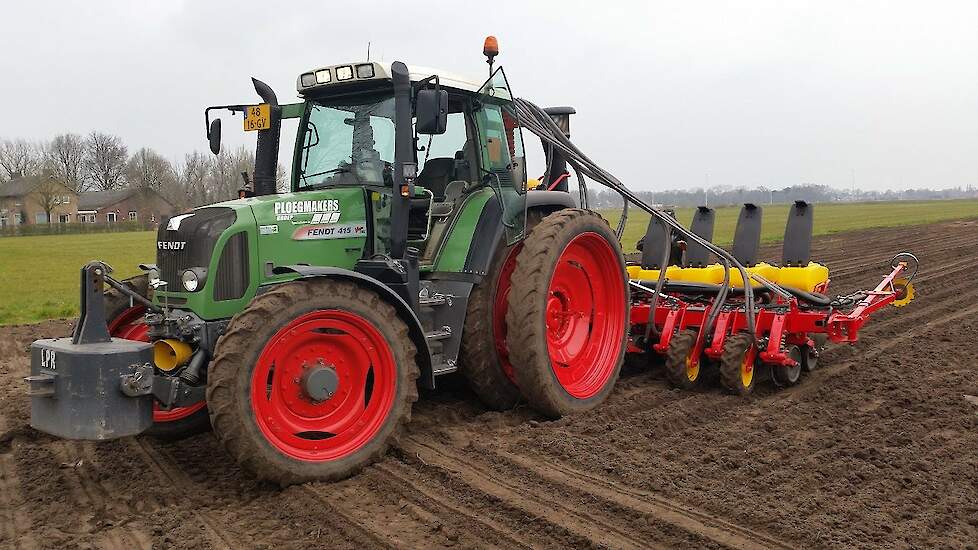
366	75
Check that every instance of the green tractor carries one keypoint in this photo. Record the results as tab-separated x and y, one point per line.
299	325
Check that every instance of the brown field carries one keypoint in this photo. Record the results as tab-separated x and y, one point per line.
876	448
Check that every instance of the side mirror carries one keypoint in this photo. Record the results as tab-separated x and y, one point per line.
214	136
431	112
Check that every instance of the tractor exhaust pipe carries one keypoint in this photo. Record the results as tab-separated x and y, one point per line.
266	153
557	174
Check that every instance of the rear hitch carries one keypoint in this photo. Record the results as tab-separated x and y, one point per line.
170	391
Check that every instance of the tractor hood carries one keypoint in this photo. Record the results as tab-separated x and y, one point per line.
233	247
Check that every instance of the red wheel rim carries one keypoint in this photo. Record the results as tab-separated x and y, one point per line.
339	425
129	325
500	305
585	315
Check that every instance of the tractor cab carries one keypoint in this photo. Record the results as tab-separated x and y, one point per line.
458	142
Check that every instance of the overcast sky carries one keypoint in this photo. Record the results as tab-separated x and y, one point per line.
669	94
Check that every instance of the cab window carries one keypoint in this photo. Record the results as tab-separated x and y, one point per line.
503	158
447	158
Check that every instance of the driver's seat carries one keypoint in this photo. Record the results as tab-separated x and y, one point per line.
445	206
436	175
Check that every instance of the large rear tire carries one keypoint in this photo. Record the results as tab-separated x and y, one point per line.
484	355
312	381
567	321
125	320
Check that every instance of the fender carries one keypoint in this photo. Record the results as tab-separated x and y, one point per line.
415	331
550	201
490	229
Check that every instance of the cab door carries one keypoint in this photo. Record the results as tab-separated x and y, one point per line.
503	167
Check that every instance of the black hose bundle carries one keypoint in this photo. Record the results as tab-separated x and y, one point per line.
534	119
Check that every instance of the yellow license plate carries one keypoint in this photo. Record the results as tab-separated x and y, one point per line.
257	117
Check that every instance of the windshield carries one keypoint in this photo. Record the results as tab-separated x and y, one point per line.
347	145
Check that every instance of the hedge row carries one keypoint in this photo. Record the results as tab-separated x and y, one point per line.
75	228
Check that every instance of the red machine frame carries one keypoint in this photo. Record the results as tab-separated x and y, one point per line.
783	321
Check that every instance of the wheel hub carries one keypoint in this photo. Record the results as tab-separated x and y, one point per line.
320	382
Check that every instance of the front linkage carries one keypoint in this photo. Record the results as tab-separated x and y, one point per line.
93	386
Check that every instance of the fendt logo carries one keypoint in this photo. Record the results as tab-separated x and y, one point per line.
171	245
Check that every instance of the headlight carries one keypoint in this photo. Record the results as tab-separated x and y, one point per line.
308	79
322	76
193	278
344	73
365	71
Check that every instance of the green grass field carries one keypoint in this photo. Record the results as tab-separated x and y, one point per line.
829	218
39	275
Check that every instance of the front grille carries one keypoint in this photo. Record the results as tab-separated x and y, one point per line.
231	279
191	244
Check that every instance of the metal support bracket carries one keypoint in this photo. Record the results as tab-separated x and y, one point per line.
169	391
92	327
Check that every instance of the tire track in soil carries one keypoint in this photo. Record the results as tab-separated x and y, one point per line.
76	462
242	514
535	529
684	517
167	473
596	529
18	525
439	506
802	390
880	259
331	500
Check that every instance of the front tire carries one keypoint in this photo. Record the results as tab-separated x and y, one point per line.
312	381
567	322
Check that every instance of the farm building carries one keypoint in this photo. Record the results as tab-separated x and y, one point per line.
142	205
36	200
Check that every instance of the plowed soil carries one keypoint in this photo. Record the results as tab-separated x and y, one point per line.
876	448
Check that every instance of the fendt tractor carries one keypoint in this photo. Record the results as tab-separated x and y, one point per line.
410	245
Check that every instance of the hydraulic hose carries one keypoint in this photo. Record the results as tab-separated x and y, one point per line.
539	123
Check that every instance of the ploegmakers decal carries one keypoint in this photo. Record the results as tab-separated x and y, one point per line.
299	212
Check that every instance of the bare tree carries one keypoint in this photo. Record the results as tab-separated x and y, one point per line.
194	173
64	158
225	178
282	182
19	157
49	194
105	160
148	169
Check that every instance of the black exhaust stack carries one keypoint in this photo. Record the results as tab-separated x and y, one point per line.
266	153
557	174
